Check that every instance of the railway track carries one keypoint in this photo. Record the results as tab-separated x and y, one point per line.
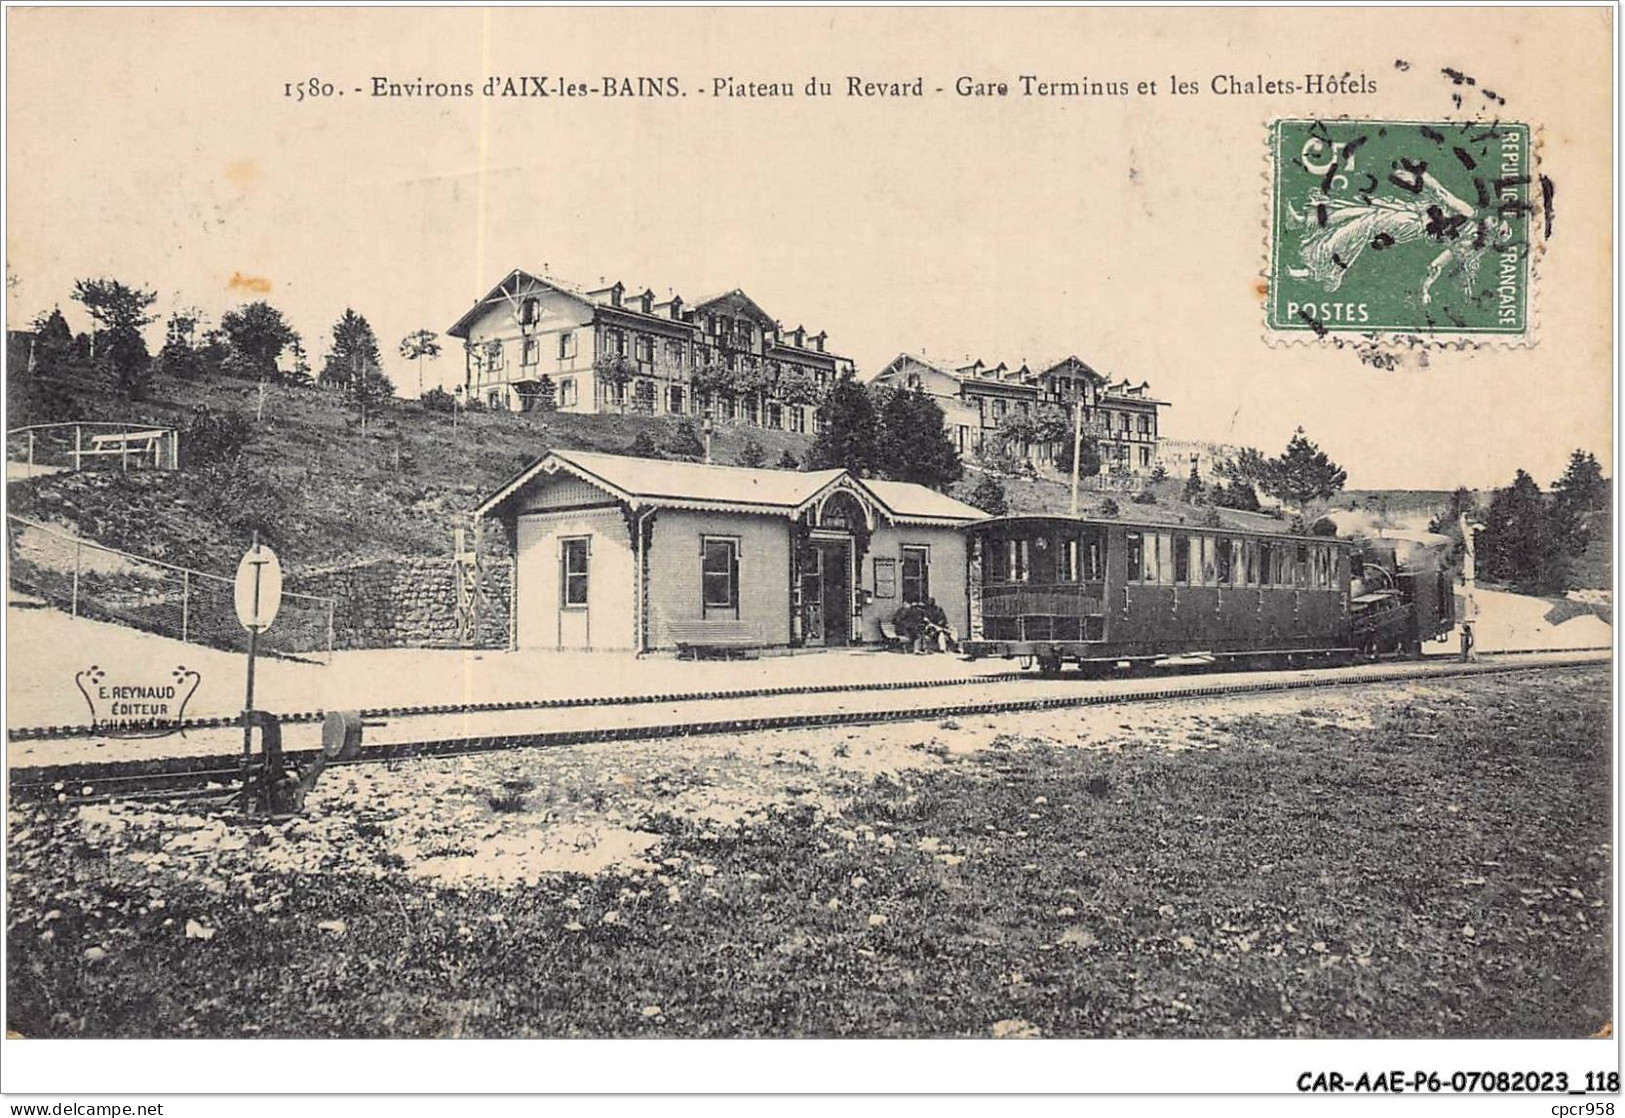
86	730
217	774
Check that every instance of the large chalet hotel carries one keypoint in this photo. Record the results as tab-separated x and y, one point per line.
1120	417
535	338
534	341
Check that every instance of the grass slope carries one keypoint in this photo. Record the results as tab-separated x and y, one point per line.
323	492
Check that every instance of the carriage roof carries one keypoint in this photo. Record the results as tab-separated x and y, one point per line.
1229	529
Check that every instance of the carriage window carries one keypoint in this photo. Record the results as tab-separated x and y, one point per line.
1094	557
1015	560
1300	569
1182	558
1135	547
1207	560
1266	556
1165	557
1067	561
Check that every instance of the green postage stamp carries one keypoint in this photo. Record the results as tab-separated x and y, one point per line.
1400	227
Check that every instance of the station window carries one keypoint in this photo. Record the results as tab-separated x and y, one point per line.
916	575
567	392
567	345
531	352
529	312
719	573
574	554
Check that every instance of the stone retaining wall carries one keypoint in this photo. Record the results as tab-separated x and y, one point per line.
406	603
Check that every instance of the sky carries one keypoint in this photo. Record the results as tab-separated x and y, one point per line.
162	147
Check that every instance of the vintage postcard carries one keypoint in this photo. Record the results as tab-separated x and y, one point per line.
1080	524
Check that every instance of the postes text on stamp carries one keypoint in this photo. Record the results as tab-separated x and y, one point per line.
1400	228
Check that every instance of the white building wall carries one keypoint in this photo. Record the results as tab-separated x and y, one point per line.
606	623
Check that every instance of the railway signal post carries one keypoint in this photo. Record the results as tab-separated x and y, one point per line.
257	592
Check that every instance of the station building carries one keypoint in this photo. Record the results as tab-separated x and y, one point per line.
619	553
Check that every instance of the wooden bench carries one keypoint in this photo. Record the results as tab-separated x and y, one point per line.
698	639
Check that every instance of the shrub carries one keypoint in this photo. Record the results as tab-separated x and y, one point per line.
1144	497
989	496
751	454
644	447
685	442
215	437
438	399
787	461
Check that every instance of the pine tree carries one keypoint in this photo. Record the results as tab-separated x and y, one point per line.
353	365
122	312
1575	496
1303	473
53	345
1518	544
1195	492
849	438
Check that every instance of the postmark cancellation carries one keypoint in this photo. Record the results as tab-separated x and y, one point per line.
1401	231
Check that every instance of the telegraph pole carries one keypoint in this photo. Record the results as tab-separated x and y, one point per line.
1077	449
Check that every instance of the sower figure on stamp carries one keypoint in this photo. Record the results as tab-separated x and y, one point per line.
1337	231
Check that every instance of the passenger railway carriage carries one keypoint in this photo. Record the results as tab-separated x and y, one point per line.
1096	593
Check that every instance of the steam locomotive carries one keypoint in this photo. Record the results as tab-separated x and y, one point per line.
1103	594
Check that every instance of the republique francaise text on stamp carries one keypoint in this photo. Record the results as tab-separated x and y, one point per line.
1400	227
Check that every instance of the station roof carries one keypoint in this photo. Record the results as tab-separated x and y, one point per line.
646	482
